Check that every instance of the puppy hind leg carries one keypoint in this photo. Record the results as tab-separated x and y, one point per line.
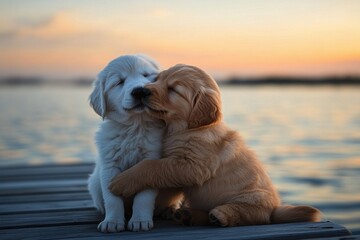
191	217
167	202
239	214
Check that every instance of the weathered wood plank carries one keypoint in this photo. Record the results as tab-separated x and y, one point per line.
293	231
23	169
46	206
55	232
352	237
166	230
33	186
46	197
45	219
42	190
52	202
44	177
45	172
46	169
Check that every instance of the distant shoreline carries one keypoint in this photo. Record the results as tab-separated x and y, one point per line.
251	81
341	80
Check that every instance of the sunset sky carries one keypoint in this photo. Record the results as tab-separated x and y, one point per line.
70	39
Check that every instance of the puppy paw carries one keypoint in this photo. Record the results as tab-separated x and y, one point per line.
111	225
216	217
183	216
168	213
137	224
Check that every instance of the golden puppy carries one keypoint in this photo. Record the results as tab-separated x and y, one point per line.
222	180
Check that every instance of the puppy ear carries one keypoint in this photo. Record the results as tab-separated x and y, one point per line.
206	109
97	97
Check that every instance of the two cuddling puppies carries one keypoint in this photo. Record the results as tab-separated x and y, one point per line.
164	141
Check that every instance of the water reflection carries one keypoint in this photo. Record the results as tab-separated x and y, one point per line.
308	138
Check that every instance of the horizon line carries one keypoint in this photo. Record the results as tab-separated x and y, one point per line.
350	79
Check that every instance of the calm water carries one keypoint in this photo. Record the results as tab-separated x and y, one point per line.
308	138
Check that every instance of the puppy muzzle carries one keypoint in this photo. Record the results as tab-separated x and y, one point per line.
140	93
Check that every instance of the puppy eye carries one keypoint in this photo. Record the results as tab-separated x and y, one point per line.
121	81
146	74
155	78
171	89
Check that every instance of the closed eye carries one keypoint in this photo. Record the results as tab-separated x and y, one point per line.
155	78
147	74
121	81
173	90
151	76
179	93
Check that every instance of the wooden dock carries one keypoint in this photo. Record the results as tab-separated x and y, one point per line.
52	202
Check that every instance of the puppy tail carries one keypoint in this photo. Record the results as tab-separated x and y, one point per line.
291	214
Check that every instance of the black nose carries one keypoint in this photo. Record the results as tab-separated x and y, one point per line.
140	92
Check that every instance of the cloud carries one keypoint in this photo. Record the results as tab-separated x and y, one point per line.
64	45
60	27
21	27
350	66
8	34
67	32
160	13
34	22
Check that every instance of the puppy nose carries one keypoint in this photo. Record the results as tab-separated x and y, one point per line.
140	92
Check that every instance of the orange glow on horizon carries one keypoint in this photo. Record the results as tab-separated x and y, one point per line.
224	41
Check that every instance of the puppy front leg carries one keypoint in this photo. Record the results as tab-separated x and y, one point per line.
143	211
143	207
114	206
158	174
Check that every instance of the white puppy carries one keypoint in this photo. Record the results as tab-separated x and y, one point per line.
126	136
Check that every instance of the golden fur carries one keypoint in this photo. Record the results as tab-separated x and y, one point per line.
222	180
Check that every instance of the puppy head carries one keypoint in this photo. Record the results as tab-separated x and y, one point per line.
185	93
114	93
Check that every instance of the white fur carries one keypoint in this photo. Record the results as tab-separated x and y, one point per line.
126	136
